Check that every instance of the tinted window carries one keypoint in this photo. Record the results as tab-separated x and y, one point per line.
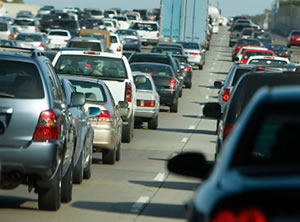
248	42
239	28
267	62
170	50
94	46
29	38
145	26
295	33
144	85
58	33
153	70
126	32
238	74
113	39
190	45
24	22
3	27
248	54
20	80
94	92
154	59
91	65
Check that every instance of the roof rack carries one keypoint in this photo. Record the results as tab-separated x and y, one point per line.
34	52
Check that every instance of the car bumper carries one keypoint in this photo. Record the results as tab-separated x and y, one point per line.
295	42
194	60
150	41
104	138
146	113
129	46
167	97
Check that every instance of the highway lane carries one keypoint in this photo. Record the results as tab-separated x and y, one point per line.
139	187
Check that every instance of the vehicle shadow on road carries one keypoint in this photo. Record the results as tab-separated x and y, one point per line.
9	202
220	73
193	131
224	60
152	210
168	185
198	117
209	87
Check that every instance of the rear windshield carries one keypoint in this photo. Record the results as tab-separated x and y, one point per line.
172	51
248	54
65	24
94	46
154	59
145	26
91	66
29	38
3	27
20	80
24	22
295	33
239	28
267	62
126	32
131	17
143	85
190	45
58	33
93	92
238	74
248	42
153	70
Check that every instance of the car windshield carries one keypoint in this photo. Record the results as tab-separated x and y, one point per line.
126	32
145	26
254	53
248	42
275	141
278	47
267	62
20	80
154	70
29	38
58	33
94	92
295	33
91	65
24	22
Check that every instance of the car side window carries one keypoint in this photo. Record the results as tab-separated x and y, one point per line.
56	88
110	95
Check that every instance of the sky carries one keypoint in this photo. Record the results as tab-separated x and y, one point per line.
228	7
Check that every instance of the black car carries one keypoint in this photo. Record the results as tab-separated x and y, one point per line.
241	95
165	81
280	50
256	177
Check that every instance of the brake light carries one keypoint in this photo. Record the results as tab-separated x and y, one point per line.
47	127
128	92
209	36
195	53
10	37
91	53
243	61
105	116
188	69
237	49
172	83
119	49
284	54
246	215
226	95
294	38
157	35
260	69
145	103
227	129
42	45
66	40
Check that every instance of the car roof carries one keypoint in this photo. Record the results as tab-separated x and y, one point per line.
90	53
268	57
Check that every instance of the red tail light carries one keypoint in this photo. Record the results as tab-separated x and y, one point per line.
247	215
128	92
10	37
227	129
157	35
66	40
284	54
260	69
195	53
105	116
47	127
243	61
42	45
226	95
294	37
237	49
173	83
209	36
145	103
188	69
119	49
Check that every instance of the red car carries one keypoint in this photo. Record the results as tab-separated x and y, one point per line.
254	52
293	38
243	43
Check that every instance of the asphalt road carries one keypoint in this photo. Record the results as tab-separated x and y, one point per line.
139	187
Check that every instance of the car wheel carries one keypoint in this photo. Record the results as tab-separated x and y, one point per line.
180	93
200	67
174	107
78	170
67	185
127	131
50	199
109	156
152	124
118	153
87	171
189	84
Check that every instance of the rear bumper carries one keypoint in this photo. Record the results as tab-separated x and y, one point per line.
104	138
195	60
168	97
146	113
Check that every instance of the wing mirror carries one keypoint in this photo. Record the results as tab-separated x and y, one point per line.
94	111
212	110
218	84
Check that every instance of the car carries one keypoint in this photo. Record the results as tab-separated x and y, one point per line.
254	52
123	21
35	122
167	85
293	38
104	115
241	95
256	175
6	31
280	50
235	33
147	100
110	26
88	43
26	25
29	40
244	43
115	44
9	43
246	33
83	134
148	31
24	14
187	70
268	60
238	57
113	69
196	56
58	38
130	39
67	24
168	50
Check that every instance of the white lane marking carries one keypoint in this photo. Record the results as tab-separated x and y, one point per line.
212	68
139	204
211	74
192	127
184	140
206	97
160	177
210	80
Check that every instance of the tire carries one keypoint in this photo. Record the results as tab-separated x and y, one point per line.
87	171
152	124
67	185
78	170
180	93
127	131
189	84
174	107
200	67
118	153
109	156
50	199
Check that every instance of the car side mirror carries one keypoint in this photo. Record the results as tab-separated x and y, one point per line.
190	164
94	111
212	110
236	59
77	99
218	84
123	108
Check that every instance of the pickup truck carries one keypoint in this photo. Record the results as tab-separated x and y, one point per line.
148	32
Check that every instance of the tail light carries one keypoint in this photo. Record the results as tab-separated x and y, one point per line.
260	69
119	49
226	95
294	38
66	40
237	49
284	54
195	53
128	92
188	69
246	215
243	61
146	103
157	35
105	116
10	37
36	29
227	129
173	83
209	36
47	127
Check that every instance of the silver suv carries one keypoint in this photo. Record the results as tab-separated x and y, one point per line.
36	135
